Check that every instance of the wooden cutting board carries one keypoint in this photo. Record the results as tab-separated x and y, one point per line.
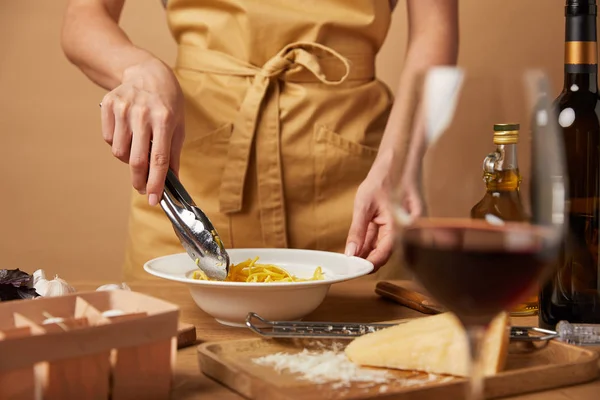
528	370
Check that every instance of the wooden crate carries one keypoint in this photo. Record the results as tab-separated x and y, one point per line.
85	355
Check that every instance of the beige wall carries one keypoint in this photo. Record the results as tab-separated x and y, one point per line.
64	199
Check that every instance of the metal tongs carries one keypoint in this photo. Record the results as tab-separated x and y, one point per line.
194	230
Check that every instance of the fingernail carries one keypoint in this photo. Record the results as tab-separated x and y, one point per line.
143	191
351	249
153	199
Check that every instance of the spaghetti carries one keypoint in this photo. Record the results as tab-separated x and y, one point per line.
250	271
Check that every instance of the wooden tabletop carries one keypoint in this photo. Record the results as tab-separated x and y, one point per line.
354	301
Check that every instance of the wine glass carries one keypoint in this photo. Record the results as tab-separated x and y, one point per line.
479	267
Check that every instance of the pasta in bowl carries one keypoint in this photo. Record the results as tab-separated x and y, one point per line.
253	272
299	281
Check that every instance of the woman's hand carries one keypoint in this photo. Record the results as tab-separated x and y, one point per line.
142	121
144	104
371	234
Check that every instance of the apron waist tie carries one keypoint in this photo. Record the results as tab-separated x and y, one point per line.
296	62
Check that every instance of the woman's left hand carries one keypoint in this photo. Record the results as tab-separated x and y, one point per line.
371	234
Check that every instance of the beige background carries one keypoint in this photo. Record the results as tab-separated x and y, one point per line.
64	198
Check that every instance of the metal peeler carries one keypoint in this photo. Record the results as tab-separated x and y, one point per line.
194	230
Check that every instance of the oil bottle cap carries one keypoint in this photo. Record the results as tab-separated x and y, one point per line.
506	133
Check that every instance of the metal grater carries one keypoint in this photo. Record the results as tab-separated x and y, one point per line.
350	330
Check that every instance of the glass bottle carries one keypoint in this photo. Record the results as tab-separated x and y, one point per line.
502	199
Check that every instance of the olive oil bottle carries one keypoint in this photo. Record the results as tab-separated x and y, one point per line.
502	199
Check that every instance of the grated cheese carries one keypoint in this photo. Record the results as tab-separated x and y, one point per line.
332	365
322	367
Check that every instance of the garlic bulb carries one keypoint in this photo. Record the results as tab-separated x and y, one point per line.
114	286
50	288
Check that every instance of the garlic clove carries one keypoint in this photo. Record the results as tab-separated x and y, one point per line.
53	288
67	287
41	286
37	275
114	286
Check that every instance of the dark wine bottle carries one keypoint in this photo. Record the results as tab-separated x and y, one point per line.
573	294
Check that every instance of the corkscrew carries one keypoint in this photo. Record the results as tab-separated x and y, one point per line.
577	334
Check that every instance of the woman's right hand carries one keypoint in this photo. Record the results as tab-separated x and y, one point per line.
142	121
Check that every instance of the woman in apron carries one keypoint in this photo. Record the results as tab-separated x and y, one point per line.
272	116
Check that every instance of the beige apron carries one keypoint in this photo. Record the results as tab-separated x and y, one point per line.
283	121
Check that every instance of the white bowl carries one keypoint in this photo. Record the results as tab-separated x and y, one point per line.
230	302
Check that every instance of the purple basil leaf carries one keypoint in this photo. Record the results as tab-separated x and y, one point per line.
10	292
14	277
27	293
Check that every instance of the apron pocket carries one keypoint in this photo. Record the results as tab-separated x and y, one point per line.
340	167
217	137
204	159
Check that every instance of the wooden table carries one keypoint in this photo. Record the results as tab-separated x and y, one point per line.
350	301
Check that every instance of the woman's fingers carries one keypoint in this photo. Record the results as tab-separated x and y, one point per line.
358	230
114	113
121	143
160	153
140	147
383	249
176	147
139	128
107	118
370	240
379	242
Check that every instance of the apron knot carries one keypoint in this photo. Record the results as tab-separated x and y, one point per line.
304	55
291	59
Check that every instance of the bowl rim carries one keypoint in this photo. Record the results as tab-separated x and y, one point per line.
365	267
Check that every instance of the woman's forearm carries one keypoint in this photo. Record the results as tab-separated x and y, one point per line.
433	40
93	41
404	133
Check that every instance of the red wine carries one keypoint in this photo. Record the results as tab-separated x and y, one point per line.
477	269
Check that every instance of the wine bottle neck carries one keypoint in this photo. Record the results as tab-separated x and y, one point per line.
581	82
581	49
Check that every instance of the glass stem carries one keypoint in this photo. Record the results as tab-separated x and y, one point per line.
475	390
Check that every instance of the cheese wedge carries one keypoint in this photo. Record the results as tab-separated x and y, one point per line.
435	344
